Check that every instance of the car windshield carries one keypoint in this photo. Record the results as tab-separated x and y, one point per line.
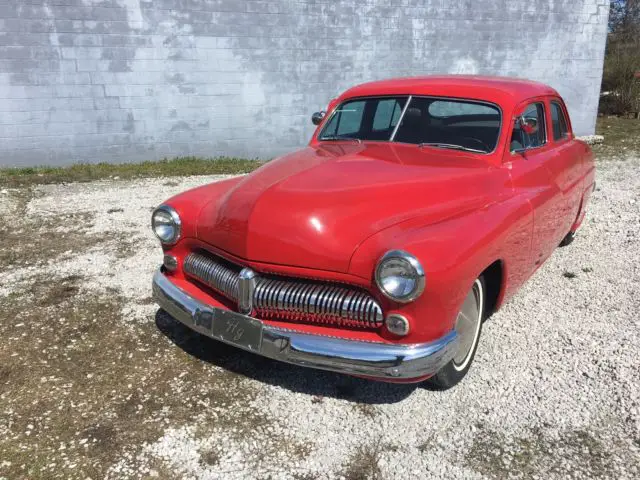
426	121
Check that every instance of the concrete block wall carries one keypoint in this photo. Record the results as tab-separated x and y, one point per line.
133	80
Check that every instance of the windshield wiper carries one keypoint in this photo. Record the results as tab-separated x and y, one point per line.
340	137
449	145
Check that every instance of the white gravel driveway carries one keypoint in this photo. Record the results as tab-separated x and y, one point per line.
95	382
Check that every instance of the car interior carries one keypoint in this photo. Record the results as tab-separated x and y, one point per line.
473	131
427	120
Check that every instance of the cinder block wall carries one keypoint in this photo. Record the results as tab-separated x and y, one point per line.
132	80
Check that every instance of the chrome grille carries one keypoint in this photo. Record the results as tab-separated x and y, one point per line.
324	302
296	300
214	274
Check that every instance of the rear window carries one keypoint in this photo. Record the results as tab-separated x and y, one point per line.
450	108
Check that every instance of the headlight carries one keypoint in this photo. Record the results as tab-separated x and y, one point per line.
400	276
166	224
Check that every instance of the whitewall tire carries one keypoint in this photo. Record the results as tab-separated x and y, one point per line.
468	325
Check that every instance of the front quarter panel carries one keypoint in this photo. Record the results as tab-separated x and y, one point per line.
188	204
453	254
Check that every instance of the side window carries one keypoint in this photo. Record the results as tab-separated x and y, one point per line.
558	122
533	135
387	114
347	120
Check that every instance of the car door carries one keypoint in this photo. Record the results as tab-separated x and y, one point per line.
527	159
565	165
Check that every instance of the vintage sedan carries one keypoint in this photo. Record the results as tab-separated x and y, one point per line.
418	208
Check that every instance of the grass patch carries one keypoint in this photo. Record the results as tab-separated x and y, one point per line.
85	172
621	136
29	240
80	388
363	464
496	456
366	409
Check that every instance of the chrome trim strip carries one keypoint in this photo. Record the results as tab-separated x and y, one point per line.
246	289
353	357
395	130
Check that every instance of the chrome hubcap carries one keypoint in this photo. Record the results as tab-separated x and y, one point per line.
468	325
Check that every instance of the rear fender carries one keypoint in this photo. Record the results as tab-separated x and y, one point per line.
586	196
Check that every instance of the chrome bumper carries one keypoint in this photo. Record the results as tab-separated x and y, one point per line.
371	359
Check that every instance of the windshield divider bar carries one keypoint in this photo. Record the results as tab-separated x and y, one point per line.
395	130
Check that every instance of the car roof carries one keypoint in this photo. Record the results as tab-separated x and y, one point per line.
504	91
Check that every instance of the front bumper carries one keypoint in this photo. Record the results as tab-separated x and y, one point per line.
383	361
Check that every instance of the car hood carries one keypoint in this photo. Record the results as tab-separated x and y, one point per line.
312	208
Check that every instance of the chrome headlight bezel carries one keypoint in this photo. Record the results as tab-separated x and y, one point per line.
412	266
175	223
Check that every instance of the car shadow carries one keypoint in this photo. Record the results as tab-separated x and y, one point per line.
312	382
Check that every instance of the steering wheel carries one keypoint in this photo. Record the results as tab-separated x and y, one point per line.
485	147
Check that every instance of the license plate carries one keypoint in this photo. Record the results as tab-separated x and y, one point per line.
230	327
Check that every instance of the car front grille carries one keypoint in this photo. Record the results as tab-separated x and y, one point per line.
289	299
215	275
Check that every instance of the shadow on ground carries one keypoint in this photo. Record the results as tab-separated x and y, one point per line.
297	379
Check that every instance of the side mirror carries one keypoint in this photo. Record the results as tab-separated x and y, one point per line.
317	117
528	125
518	145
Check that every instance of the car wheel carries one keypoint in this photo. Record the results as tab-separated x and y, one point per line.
568	239
468	326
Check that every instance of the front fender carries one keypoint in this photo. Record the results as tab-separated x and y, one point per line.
189	203
454	253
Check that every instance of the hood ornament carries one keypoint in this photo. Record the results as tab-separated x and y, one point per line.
246	288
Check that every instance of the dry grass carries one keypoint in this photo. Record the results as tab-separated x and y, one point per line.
42	243
82	388
79	387
183	166
621	137
366	409
499	457
31	240
363	464
620	134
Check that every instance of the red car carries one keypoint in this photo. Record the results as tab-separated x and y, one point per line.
418	208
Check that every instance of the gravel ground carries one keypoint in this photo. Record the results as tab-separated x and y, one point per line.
95	382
